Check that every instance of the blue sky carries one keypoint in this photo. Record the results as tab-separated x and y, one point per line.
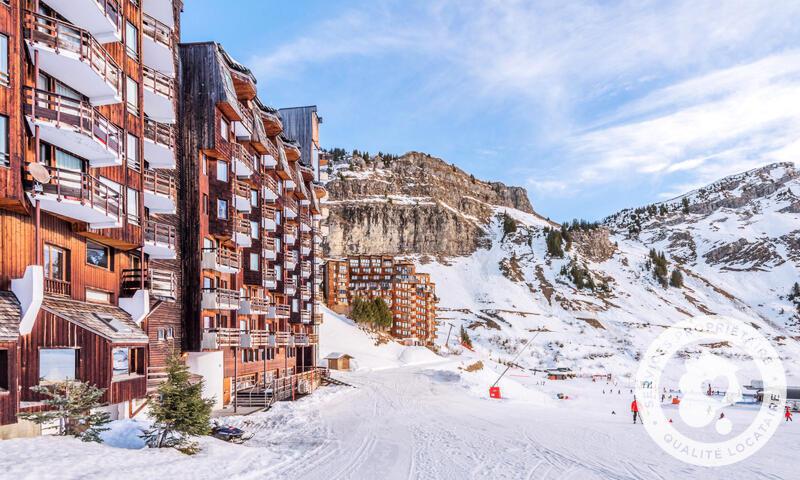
591	106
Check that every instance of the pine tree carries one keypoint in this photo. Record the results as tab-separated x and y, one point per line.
383	315
676	279
554	244
179	411
465	340
509	225
72	404
685	205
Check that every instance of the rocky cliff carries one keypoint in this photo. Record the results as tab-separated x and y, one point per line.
413	204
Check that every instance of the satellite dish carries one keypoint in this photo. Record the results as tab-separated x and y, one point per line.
39	172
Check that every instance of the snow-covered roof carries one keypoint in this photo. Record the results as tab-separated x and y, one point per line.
9	316
337	355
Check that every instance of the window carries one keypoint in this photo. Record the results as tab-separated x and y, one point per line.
5	372
222	209
55	262
205	203
4	153
207	322
98	255
132	92
222	171
57	364
132	205
4	74
254	229
128	361
97	296
224	129
254	262
161	334
131	40
133	152
170	332
204	163
254	198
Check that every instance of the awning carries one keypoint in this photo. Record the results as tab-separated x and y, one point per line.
9	317
107	321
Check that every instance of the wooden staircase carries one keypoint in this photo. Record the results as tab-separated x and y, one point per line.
155	377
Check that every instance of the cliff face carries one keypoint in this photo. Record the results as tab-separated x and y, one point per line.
412	204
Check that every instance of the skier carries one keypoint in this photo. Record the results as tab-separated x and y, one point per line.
635	410
788	415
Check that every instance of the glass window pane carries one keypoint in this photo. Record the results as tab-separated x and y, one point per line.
133	95
121	361
3	140
131	40
4	59
57	365
133	151
97	255
222	209
222	171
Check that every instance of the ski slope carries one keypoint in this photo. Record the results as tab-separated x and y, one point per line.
412	415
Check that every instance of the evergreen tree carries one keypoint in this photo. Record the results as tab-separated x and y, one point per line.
685	205
383	315
676	279
71	403
179	411
554	244
465	340
509	225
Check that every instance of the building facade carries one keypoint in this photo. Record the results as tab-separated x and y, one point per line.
150	205
89	259
252	204
411	295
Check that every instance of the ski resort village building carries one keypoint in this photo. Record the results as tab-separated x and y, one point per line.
410	295
151	205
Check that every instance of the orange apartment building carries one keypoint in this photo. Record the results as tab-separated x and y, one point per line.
89	264
252	231
410	294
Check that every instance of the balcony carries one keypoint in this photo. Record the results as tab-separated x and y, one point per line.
216	338
305	293
273	125
269	220
270	191
290	285
269	280
305	246
160	192
317	318
242	161
223	260
305	223
157	45
162	284
278	311
241	196
101	18
159	93
305	316
290	208
255	306
242	233
305	269
289	235
289	260
243	130
78	196
54	286
160	240
269	250
292	150
268	161
159	144
160	10
73	56
74	126
220	299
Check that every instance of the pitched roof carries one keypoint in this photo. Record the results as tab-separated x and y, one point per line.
108	321
10	312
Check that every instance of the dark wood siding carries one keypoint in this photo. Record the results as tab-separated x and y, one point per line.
9	398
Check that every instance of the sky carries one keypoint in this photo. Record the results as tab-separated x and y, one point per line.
590	106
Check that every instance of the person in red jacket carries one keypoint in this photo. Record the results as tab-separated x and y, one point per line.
635	410
788	415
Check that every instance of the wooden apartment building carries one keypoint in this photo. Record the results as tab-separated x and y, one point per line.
88	239
252	214
151	204
410	294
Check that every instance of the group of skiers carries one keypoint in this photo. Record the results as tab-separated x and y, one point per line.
637	416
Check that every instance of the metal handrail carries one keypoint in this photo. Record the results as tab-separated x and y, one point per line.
226	257
238	152
68	112
160	233
159	183
159	133
158	82
60	35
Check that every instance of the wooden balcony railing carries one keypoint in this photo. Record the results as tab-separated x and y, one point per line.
224	296
290	257
112	11
160	283
160	183
260	304
259	338
60	35
290	230
270	183
282	338
282	310
55	286
269	276
247	117
290	203
241	189
241	224
67	112
226	257
317	317
157	31
268	243
158	82
82	187
305	316
155	232
225	337
268	212
159	133
238	153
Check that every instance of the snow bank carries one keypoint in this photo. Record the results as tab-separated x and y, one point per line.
340	334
